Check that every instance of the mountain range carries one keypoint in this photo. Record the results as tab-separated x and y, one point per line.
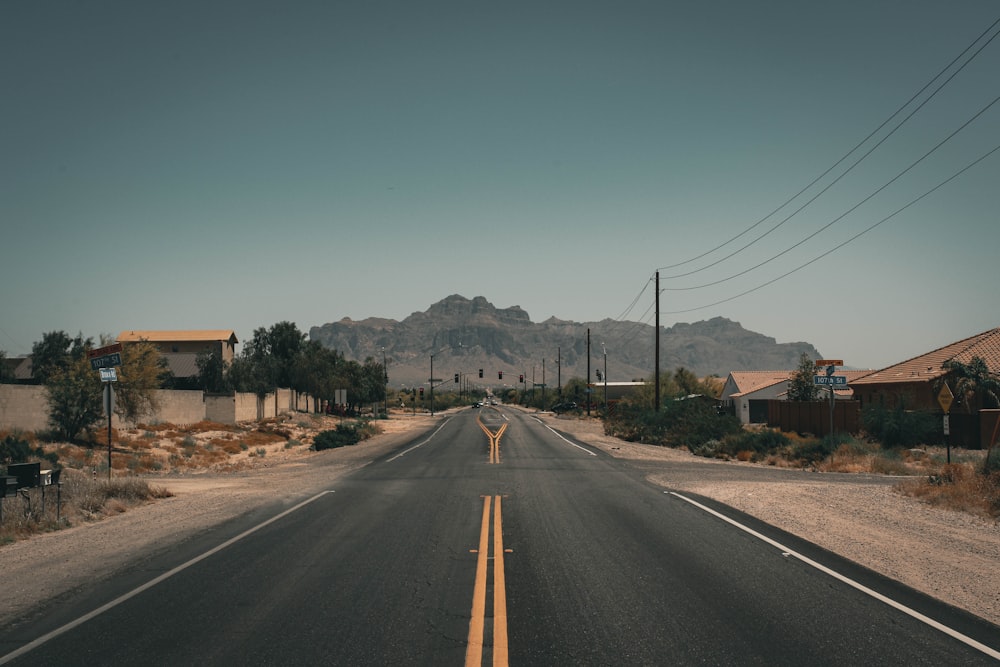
465	335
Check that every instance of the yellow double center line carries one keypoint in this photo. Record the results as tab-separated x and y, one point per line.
494	439
477	624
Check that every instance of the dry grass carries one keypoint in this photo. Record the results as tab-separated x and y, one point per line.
146	450
960	487
80	498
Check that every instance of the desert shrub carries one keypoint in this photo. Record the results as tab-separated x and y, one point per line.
690	423
752	445
958	487
899	427
991	464
811	451
345	434
18	450
341	436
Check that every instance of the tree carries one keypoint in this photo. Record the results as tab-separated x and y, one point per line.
975	384
270	355
802	387
211	373
143	371
74	394
53	353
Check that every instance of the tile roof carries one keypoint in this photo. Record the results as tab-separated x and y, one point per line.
927	367
751	381
177	336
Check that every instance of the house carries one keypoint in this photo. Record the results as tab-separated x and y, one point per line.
17	370
915	383
181	348
746	393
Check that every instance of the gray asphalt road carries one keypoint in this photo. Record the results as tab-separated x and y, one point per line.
495	539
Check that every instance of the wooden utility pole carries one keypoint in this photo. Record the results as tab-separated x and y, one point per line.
657	344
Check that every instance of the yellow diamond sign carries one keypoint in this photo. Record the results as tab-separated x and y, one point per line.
945	397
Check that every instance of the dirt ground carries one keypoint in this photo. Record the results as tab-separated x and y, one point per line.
948	555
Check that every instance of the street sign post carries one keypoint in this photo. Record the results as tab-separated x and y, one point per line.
945	397
830	380
104	359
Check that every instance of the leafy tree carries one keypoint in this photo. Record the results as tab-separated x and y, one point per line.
75	396
315	370
802	387
143	371
268	358
975	384
249	373
211	373
54	352
575	390
370	385
687	382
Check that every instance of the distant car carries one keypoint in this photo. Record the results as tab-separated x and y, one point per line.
564	407
477	405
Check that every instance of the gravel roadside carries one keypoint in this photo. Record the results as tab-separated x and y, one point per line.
950	556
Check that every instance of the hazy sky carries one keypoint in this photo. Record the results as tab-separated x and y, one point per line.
179	165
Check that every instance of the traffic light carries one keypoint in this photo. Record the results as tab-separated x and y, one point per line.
480	372
456	378
421	393
598	371
500	374
520	378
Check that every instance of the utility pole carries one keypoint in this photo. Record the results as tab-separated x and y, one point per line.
559	370
385	396
603	347
588	371
543	383
657	345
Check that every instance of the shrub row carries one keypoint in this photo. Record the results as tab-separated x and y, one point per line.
345	434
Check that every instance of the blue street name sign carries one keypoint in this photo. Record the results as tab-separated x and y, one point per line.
830	379
106	361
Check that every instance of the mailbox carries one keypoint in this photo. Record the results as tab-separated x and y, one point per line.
8	486
27	474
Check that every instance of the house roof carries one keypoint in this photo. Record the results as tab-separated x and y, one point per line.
134	336
747	382
927	367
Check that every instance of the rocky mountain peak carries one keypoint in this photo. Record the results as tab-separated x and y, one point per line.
465	335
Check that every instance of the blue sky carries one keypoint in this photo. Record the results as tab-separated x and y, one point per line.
227	164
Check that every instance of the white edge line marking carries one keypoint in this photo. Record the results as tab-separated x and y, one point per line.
421	444
568	442
850	582
30	646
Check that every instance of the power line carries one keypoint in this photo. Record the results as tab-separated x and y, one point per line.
846	155
848	211
841	245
